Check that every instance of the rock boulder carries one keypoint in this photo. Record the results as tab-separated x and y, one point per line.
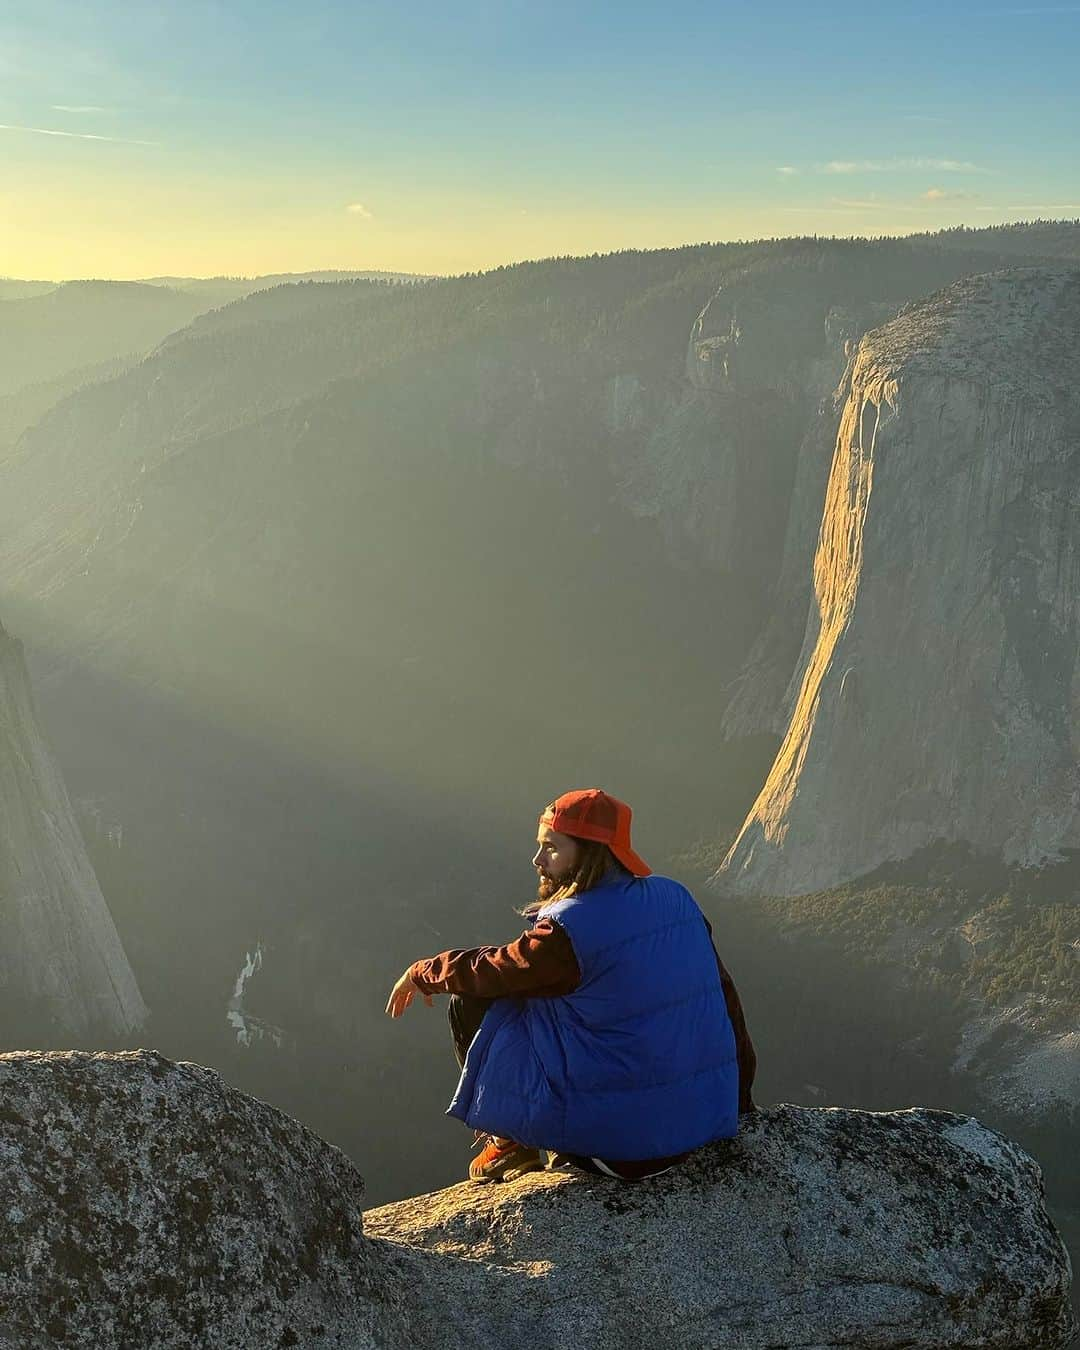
145	1204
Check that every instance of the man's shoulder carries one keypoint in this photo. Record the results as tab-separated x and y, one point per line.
666	889
653	890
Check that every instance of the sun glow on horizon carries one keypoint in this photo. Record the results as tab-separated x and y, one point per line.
190	141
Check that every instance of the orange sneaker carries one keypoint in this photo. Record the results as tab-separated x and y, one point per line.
504	1161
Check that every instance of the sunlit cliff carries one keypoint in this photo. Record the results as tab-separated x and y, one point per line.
938	692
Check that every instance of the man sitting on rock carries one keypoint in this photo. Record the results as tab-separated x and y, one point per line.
608	1034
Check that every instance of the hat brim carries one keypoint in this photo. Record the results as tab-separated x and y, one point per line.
632	861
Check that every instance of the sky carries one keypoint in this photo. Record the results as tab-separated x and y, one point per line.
204	138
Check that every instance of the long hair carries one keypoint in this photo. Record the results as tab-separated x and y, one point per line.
594	862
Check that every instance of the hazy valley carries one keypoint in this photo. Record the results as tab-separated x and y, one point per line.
326	589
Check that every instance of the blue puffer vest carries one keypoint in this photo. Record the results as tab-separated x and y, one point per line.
638	1062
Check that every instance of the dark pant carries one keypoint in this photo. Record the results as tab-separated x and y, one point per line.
465	1013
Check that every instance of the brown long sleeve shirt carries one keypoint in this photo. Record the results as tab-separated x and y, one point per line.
541	964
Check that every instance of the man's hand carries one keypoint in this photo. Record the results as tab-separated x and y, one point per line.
402	995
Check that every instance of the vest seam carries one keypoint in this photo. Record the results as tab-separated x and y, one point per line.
703	991
720	1067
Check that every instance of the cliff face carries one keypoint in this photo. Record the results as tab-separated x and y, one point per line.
722	460
59	951
761	696
937	695
166	1209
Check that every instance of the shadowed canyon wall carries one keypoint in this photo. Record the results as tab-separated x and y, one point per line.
61	962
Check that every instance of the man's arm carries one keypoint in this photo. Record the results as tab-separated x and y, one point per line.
744	1047
540	964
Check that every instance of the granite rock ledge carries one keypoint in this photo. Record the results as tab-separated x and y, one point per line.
147	1204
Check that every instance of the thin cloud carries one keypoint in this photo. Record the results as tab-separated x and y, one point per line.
359	209
892	165
858	204
74	135
1033	206
76	107
945	165
1024	13
844	210
936	194
786	169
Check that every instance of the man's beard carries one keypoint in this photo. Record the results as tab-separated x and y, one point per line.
546	888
